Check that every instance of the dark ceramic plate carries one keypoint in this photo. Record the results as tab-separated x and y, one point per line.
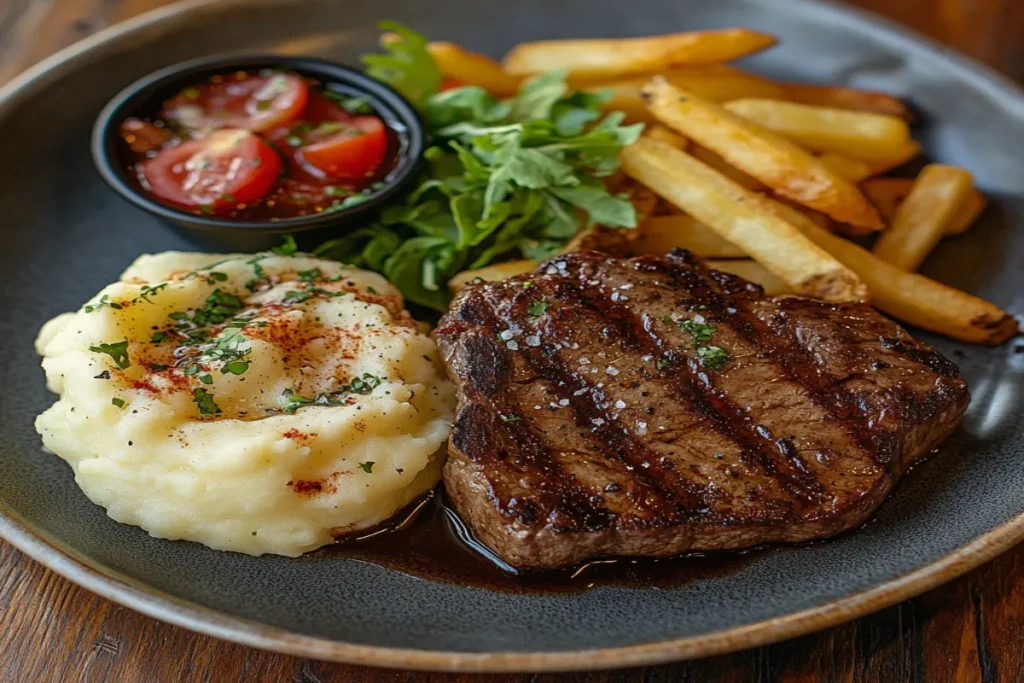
66	235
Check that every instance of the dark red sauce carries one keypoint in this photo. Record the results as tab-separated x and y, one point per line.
430	541
260	145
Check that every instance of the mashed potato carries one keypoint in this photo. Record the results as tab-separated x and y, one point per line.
253	403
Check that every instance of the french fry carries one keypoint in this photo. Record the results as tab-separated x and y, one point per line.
715	82
858	135
818	218
846	167
466	67
471	68
720	82
782	165
656	131
625	97
751	270
921	219
606	58
912	298
908	151
847	98
968	214
722	166
491	273
661	234
887	193
732	212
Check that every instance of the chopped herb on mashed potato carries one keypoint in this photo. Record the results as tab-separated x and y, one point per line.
254	403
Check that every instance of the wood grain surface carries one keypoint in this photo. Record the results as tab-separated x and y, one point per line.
970	630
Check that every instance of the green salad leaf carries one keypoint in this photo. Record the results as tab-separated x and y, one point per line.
504	176
407	66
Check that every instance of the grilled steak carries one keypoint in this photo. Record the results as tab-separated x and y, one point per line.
651	406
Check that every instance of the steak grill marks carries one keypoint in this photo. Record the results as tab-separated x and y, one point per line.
487	367
756	439
661	492
694	386
755	452
793	360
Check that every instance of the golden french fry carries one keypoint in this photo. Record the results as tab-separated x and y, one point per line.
732	212
467	67
715	82
972	207
846	167
606	58
908	151
471	68
661	234
921	219
625	97
656	131
887	194
719	82
491	273
819	219
782	165
910	297
855	134
847	98
752	271
722	166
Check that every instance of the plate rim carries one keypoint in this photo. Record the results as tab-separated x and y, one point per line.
135	595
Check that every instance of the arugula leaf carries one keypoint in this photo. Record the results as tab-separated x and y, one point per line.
419	268
470	102
574	112
520	174
533	169
407	66
538	96
600	206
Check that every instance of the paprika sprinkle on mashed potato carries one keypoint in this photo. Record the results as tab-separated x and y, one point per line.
249	402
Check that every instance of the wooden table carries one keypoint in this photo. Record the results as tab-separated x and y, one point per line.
970	630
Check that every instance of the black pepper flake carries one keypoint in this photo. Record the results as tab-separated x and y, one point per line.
103	375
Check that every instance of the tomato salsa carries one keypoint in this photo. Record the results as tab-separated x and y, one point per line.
260	145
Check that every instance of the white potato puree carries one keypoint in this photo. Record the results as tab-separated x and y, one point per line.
328	411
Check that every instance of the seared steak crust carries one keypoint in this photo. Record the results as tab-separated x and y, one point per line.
588	424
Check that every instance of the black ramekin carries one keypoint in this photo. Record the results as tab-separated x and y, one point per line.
144	97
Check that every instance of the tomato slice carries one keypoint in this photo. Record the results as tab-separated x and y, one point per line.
320	108
255	103
216	173
346	151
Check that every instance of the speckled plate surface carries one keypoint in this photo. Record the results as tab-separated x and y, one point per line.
66	235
